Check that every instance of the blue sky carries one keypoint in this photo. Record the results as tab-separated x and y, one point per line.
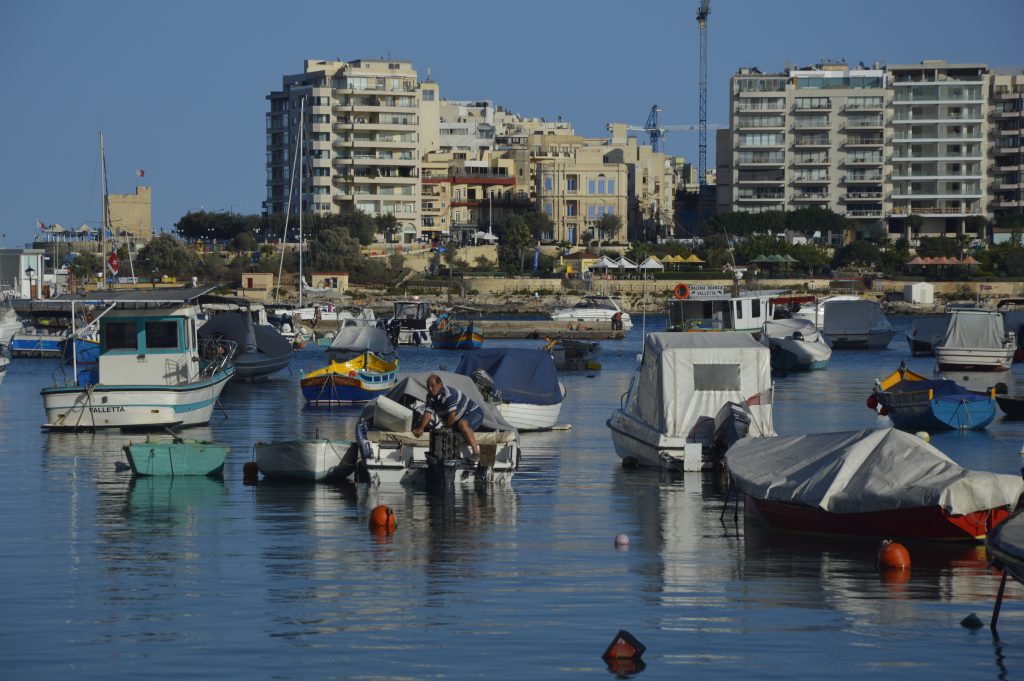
178	88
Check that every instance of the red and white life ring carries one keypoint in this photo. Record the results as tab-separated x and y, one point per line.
681	291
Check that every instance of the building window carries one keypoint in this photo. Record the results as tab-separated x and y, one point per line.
571	208
549	183
549	209
611	186
601	185
571	183
428	95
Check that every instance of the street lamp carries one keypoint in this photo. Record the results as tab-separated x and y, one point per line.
29	273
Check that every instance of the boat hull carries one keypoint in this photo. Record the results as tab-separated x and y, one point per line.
142	406
308	460
635	441
525	417
591	317
939	414
37	345
974	359
1011	405
342	390
870	340
256	364
190	457
931	522
468	339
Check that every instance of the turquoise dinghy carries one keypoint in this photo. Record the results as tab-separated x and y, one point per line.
176	457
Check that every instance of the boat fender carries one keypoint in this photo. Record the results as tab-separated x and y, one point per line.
250	472
681	291
872	402
382	518
883	411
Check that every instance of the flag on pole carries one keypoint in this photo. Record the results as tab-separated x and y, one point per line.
140	172
114	265
41	224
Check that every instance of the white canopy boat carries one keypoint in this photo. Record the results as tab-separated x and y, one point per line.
857	324
975	340
685	382
411	322
152	370
595	308
795	345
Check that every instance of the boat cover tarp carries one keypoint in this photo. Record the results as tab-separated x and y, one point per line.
785	328
522	375
976	329
237	326
929	330
865	471
1006	542
854	316
357	338
686	376
413	388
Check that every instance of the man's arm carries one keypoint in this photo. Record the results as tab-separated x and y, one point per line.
418	430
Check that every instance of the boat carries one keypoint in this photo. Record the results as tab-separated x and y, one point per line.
152	373
355	338
1005	546
5	362
356	381
595	308
975	340
39	343
881	483
814	311
10	324
795	345
667	417
1012	405
925	333
260	350
856	324
455	329
175	456
319	459
390	454
712	307
914	402
573	354
520	382
411	322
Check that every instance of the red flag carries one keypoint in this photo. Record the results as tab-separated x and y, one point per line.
763	397
113	263
140	172
42	225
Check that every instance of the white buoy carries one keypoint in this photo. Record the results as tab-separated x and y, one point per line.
923	435
622	541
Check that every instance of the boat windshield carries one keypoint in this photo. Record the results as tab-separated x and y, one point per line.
595	303
410	310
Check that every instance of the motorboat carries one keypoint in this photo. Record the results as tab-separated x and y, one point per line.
318	459
153	372
411	322
667	417
1012	406
915	403
456	329
10	324
389	453
815	311
5	362
355	338
975	340
877	483
574	354
521	382
925	333
856	324
698	307
175	457
355	381
260	350
1005	545
39	342
795	345
596	308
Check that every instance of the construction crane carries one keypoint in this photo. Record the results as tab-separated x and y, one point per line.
702	24
655	132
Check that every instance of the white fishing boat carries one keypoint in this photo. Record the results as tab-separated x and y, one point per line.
690	390
857	324
390	454
795	345
318	459
593	309
152	370
975	340
521	382
411	322
710	307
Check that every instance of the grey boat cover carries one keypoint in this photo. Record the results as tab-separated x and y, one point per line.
413	388
523	375
797	336
785	328
864	471
1006	542
238	327
975	329
354	339
854	316
686	376
929	330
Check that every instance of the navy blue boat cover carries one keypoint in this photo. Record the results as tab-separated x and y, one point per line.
521	374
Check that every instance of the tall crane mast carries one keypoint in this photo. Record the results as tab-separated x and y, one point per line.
702	24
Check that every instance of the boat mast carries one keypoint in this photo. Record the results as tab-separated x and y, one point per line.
103	226
300	150
287	217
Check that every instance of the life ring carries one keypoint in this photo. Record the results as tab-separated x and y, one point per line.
681	291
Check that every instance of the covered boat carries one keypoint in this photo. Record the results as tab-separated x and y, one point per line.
878	483
976	340
260	350
391	454
925	333
857	324
795	345
573	354
814	310
1006	546
317	460
521	382
354	339
356	381
915	402
10	324
667	417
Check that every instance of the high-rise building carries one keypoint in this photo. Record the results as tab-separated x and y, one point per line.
1006	139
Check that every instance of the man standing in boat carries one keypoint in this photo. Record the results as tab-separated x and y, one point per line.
456	410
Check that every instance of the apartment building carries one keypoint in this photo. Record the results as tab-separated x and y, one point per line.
462	197
1006	140
362	121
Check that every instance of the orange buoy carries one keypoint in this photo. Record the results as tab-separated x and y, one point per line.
893	556
250	472
872	401
383	518
681	291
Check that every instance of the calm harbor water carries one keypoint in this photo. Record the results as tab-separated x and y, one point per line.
108	577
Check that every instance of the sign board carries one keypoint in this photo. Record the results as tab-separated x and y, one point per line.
706	290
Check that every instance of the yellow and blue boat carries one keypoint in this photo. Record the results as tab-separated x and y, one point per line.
450	333
915	402
355	381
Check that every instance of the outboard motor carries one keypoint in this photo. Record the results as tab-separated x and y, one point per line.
485	383
443	458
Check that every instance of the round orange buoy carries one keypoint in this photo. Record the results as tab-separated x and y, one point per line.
250	472
681	291
383	518
893	556
872	401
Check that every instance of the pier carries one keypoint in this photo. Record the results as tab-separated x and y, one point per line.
509	329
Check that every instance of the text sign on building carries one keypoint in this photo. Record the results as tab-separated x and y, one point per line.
706	290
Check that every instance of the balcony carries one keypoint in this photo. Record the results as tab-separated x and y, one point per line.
898	195
945	212
861	179
803	163
817	179
864	213
811	143
947	157
815	197
863	196
935	178
861	162
859	108
763	196
762	163
864	142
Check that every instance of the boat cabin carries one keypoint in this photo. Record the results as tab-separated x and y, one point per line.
717	310
412	313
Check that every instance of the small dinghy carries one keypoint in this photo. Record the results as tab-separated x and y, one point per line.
174	456
915	402
308	460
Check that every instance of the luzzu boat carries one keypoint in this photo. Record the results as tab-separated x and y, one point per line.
915	402
451	333
152	372
356	381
